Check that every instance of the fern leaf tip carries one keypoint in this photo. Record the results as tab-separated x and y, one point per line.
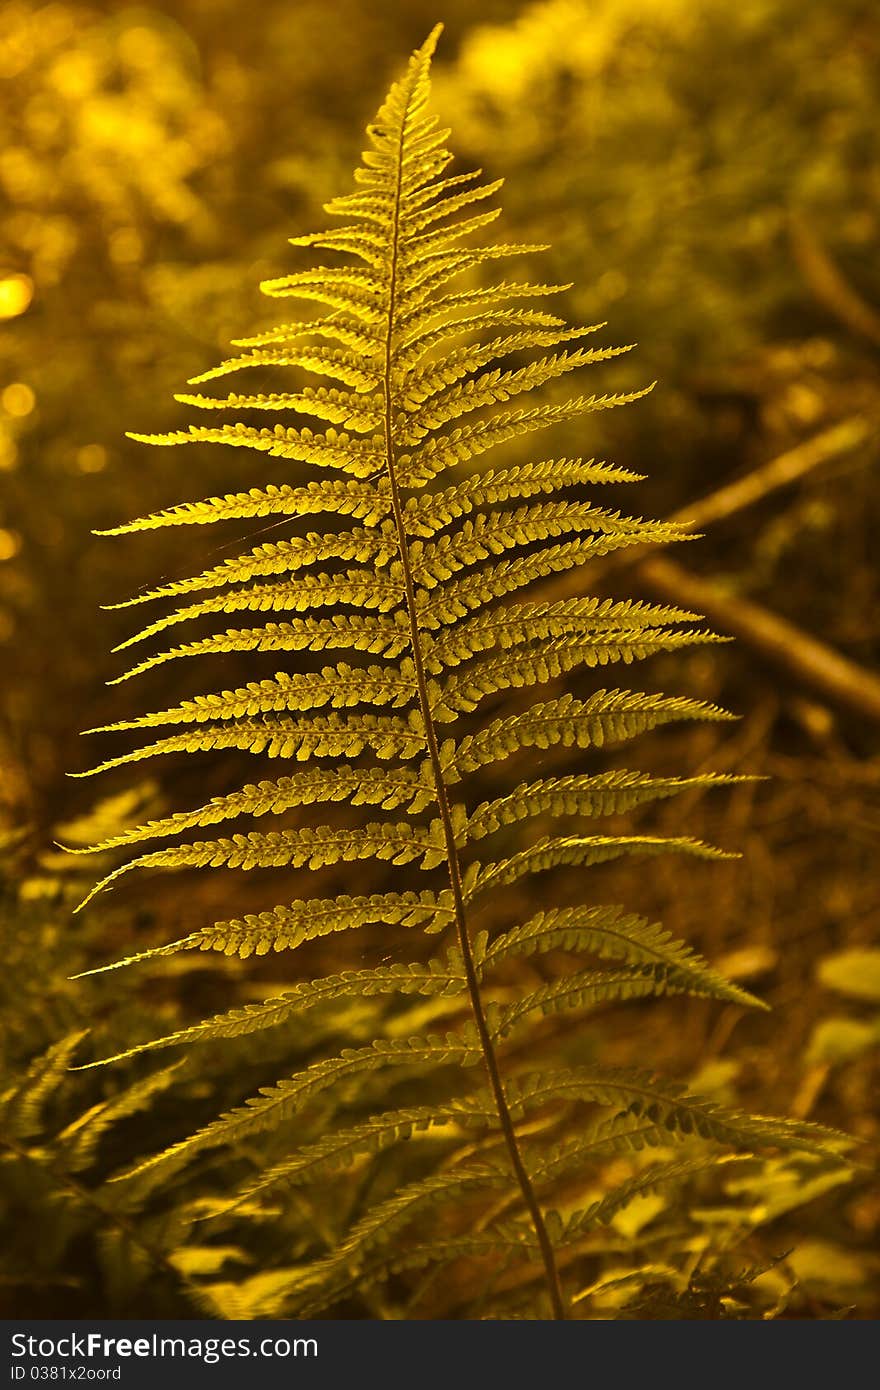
74	849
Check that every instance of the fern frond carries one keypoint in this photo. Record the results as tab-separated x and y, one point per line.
601	1212
367	545
329	736
417	332
508	1241
545	660
345	1267
616	935
668	1104
363	501
437	977
619	1134
417	218
424	366
311	591
339	407
622	1134
436	378
422	245
333	449
277	1104
439	606
389	639
492	387
367	246
360	1257
389	788
551	853
286	928
79	1141
606	794
318	847
493	533
352	335
427	513
340	364
464	324
608	716
341	686
356	294
319	1161
22	1103
584	988
518	624
470	442
419	286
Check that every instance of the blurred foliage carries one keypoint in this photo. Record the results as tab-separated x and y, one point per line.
707	175
77	1243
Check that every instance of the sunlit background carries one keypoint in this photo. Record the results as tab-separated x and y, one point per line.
708	176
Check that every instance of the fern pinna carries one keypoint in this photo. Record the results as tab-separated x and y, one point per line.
420	581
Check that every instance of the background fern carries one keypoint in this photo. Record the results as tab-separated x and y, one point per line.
427	581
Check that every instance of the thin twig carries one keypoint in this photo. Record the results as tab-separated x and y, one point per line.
786	468
779	641
826	281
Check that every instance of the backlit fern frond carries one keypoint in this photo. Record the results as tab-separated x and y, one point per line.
412	551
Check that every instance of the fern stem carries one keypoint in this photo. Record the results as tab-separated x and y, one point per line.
490	1056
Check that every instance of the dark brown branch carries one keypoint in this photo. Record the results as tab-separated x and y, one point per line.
795	652
828	284
786	468
802	657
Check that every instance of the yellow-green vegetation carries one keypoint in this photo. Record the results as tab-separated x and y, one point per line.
413	1069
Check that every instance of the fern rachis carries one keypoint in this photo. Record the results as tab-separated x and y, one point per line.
421	590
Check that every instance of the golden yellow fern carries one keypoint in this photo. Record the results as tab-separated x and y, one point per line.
419	590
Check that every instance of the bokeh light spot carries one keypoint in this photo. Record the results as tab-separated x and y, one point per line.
91	458
10	544
16	293
18	399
